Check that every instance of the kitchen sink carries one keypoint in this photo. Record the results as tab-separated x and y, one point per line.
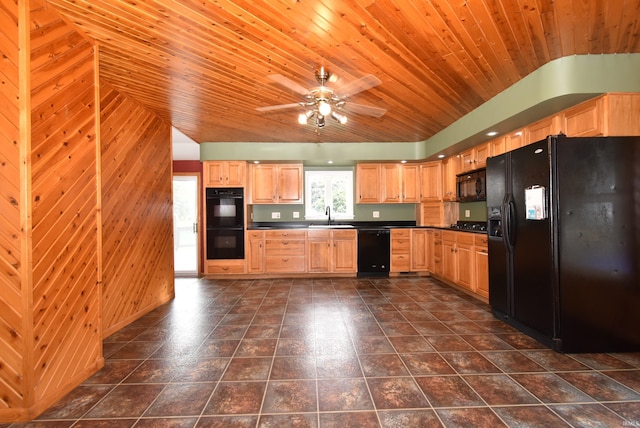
330	226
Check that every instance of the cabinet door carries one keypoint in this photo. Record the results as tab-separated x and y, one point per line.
449	259
290	184
345	251
482	271
263	184
255	263
431	181
465	265
467	160
410	183
449	171
419	252
368	183
430	252
541	129
235	173
481	153
514	140
318	255
584	120
213	174
391	186
497	146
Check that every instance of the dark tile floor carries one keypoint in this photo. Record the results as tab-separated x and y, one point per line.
406	352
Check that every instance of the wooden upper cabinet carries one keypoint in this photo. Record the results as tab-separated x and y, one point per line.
276	184
264	183
584	120
449	172
410	183
431	181
224	173
497	146
391	174
368	183
474	158
542	129
290	184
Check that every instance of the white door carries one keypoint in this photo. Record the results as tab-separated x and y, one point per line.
185	224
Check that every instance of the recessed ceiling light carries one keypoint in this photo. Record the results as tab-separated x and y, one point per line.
492	134
330	162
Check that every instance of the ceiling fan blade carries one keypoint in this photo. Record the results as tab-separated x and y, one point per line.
288	83
364	109
278	107
362	84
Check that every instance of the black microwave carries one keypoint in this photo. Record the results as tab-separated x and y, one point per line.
471	186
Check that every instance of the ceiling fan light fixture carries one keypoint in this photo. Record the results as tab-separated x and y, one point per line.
339	117
320	121
303	118
324	108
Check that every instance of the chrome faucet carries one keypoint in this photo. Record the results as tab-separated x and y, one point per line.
327	212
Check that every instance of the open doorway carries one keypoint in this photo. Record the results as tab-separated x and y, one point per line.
185	224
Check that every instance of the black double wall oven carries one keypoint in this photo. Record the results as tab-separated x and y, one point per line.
225	223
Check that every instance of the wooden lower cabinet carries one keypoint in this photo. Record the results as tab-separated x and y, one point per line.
481	264
400	250
419	250
284	251
332	251
255	251
464	260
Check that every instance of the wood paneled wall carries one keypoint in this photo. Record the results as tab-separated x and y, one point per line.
55	241
137	210
64	206
12	314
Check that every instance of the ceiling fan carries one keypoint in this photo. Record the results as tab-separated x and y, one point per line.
323	101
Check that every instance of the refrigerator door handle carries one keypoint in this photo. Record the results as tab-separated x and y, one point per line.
508	218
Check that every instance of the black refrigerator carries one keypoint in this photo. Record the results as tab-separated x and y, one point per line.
564	242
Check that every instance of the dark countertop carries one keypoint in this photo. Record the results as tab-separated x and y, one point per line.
356	225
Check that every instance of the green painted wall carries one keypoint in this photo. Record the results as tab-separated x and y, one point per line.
477	211
363	212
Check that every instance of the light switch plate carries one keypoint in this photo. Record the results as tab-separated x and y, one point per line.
275	215
376	214
296	214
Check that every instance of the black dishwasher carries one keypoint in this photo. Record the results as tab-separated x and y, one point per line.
373	252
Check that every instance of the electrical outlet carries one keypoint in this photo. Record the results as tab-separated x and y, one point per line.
275	215
467	213
376	214
296	214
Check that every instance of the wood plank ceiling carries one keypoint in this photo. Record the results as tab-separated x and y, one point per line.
204	65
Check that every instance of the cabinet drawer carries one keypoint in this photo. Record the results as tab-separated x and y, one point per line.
400	246
284	246
400	233
465	238
400	262
255	234
285	234
449	235
224	266
480	240
319	234
284	264
344	234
